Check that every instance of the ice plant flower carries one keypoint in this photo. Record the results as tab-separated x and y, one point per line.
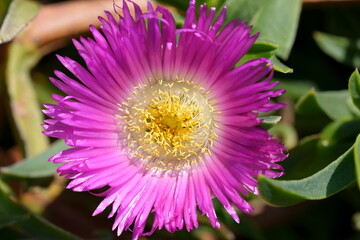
164	120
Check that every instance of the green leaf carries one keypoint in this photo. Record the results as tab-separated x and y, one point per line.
20	13
354	88
286	132
263	46
268	18
4	5
332	142
6	220
31	224
352	108
250	56
342	49
310	117
24	104
242	9
269	121
279	66
357	160
309	105
295	89
340	132
37	166
299	164
332	103
332	179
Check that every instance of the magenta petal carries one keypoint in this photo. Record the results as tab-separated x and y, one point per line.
163	119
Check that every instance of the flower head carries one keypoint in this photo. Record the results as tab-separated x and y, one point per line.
163	119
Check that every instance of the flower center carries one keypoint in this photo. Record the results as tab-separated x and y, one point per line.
169	125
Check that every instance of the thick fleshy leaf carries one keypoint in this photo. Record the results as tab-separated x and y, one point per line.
269	121
332	142
37	166
250	56
332	103
20	13
357	160
263	46
340	131
278	66
4	5
332	179
299	163
9	219
295	89
24	104
268	18
242	9
31	224
307	107
342	49
287	133
354	88
308	103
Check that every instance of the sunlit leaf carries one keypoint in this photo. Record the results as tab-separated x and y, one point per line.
354	88
250	56
269	121
31	224
263	46
268	18
24	104
332	103
20	13
242	9
332	179
279	66
37	166
342	49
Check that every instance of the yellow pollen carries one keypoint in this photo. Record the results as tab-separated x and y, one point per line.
168	125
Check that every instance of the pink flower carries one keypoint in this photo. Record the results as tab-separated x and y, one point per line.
162	118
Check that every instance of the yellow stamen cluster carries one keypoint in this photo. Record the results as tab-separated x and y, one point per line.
169	125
